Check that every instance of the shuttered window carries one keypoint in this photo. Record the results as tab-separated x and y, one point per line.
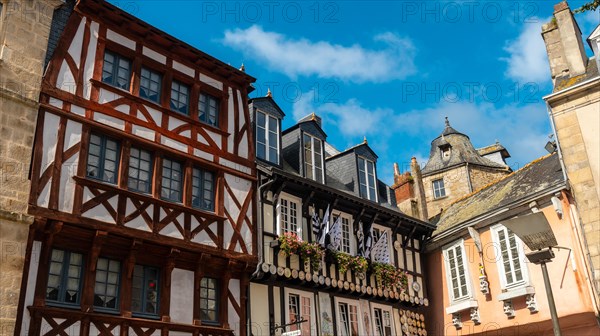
456	271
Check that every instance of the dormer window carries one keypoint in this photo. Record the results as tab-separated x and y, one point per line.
313	158
366	178
267	137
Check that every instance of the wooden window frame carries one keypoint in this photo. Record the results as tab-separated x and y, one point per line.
118	285
363	170
160	84
265	142
144	292
314	167
150	170
64	276
438	192
182	185
101	159
289	293
382	309
202	188
465	271
349	232
217	309
281	229
338	301
117	56
189	96
495	230
207	98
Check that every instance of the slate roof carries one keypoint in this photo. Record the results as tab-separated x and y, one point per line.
566	81
462	152
538	176
497	147
267	104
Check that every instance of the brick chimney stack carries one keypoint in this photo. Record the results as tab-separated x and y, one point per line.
409	191
564	45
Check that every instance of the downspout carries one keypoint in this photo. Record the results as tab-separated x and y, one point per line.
259	225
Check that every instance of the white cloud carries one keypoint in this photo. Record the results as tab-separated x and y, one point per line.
397	136
527	60
302	57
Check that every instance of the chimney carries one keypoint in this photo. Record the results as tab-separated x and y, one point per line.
419	189
564	45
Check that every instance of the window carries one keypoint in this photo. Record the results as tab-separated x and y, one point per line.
383	322
510	257
203	190
150	85
366	178
145	290
209	308
103	159
313	158
180	97
64	277
140	170
300	307
171	180
289	219
456	273
267	137
116	70
106	290
348	319
377	231
438	188
346	245
208	109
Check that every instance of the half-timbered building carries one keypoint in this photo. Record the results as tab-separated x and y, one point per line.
313	197
142	186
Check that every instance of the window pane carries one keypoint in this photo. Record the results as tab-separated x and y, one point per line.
208	300
140	163
116	70
150	84
107	283
179	97
202	189
171	180
103	159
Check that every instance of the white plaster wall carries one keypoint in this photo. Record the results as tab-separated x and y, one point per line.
90	59
120	39
183	69
99	212
182	298
173	144
203	155
75	47
230	121
105	96
44	198
109	121
259	311
65	80
34	265
211	81
232	316
154	55
67	184
216	138
143	132
138	222
95	332
49	140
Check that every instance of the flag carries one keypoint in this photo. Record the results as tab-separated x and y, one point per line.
316	225
335	235
381	252
368	243
361	240
324	227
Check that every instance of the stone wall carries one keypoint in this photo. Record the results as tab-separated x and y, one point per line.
455	183
577	124
481	176
24	30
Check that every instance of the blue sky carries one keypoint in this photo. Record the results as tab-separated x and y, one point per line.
387	70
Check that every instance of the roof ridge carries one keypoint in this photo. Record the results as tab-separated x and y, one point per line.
527	166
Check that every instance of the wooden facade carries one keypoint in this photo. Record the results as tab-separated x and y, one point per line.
280	280
79	214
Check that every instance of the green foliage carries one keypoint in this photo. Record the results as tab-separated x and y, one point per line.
290	243
390	276
347	262
588	6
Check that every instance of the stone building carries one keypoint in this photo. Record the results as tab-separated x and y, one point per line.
330	200
574	112
142	186
485	284
21	67
454	169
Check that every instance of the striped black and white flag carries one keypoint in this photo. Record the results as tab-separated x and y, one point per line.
368	243
335	235
324	227
316	225
381	252
360	235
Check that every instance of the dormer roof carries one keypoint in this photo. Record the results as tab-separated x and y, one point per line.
268	105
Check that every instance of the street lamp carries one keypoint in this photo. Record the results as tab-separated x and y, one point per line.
535	231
